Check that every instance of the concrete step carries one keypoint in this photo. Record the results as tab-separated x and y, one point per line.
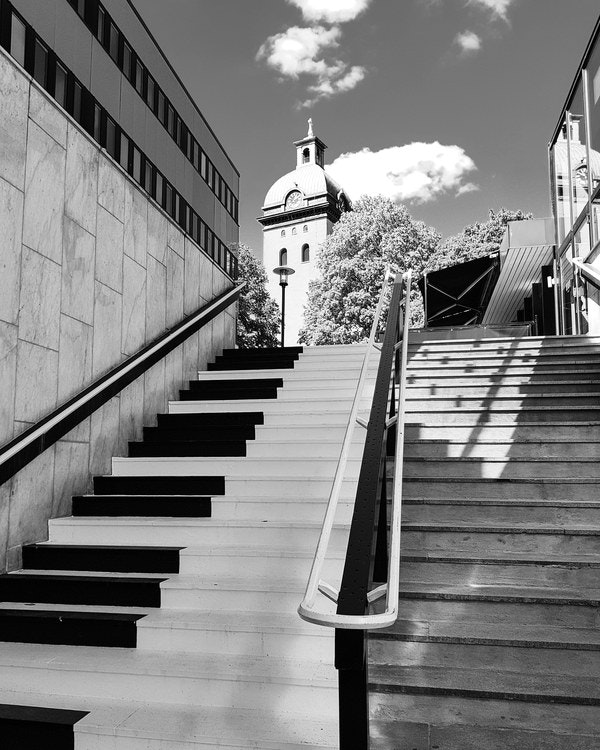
129	725
236	681
298	510
510	467
580	490
246	467
524	659
490	513
258	561
462	415
560	356
454	722
482	448
518	538
482	403
510	343
189	532
262	634
481	574
239	592
442	375
530	432
526	390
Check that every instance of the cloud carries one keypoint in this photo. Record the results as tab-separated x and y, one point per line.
331	11
498	8
309	52
417	172
469	42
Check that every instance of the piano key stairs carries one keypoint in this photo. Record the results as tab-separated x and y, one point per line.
162	613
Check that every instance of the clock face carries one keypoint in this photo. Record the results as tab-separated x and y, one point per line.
294	199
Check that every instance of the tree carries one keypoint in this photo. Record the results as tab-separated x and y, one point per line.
341	303
258	314
475	240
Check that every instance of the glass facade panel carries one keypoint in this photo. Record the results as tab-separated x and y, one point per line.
139	77
561	183
113	42
17	39
127	60
124	152
111	138
150	92
40	67
593	69
578	152
60	85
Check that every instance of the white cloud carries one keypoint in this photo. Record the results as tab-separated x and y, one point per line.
498	8
308	52
417	172
331	11
469	42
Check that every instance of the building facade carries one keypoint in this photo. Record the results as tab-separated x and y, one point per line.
117	202
299	212
100	62
574	156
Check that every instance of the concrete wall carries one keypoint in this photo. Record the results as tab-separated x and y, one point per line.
90	270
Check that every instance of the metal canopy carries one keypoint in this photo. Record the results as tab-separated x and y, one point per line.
458	295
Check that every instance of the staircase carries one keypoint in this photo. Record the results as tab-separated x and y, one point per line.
162	613
497	646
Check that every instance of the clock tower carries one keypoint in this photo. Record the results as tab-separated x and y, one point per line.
299	212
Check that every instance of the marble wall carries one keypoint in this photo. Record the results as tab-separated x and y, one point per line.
90	271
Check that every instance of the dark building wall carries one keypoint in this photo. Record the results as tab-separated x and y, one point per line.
65	32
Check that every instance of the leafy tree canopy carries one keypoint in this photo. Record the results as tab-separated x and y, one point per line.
258	313
341	303
475	240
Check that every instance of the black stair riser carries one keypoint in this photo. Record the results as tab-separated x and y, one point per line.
101	558
118	592
68	628
228	395
31	728
188	448
211	419
234	385
266	351
143	507
249	358
197	435
284	364
159	485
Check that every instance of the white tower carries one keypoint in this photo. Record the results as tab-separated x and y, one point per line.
299	212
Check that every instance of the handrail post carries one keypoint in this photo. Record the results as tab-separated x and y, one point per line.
351	661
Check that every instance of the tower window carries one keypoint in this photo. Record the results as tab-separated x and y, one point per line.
294	230
283	232
305	228
283	257
305	253
306	156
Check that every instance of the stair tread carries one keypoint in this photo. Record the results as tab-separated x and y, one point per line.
482	633
507	558
233	621
85	575
186	665
181	723
513	527
525	593
487	682
79	608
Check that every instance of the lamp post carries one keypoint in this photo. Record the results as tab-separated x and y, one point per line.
284	272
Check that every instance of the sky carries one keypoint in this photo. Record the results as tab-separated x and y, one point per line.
446	106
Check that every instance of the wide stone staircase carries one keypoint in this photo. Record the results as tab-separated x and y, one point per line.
162	613
497	644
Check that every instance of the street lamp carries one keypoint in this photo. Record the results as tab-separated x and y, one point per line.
284	272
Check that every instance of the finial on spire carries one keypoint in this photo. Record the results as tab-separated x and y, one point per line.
310	128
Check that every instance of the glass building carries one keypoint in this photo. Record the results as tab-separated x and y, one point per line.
574	157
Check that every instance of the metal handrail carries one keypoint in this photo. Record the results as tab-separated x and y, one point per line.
391	589
20	451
